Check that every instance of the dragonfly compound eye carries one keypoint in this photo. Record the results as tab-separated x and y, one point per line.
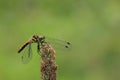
42	38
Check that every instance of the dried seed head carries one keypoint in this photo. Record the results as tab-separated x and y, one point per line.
48	65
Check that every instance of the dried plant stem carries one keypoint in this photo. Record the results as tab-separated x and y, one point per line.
48	64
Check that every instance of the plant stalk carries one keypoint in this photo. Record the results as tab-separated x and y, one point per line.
48	64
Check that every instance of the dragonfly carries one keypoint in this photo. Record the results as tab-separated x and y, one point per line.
39	40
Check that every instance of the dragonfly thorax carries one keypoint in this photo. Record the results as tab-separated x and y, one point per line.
37	39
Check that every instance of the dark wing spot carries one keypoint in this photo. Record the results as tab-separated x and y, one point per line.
68	43
66	47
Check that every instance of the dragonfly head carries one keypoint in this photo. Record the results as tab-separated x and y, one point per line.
42	39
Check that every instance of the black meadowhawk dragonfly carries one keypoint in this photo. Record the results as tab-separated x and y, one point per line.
39	40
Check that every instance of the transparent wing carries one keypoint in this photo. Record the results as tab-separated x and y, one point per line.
27	54
58	44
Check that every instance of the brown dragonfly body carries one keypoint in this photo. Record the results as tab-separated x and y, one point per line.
34	39
39	40
23	46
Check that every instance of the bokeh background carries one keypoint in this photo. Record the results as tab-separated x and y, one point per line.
92	26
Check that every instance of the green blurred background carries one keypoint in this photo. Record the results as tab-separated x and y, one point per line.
92	26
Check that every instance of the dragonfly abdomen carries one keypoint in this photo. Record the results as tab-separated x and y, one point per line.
23	46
